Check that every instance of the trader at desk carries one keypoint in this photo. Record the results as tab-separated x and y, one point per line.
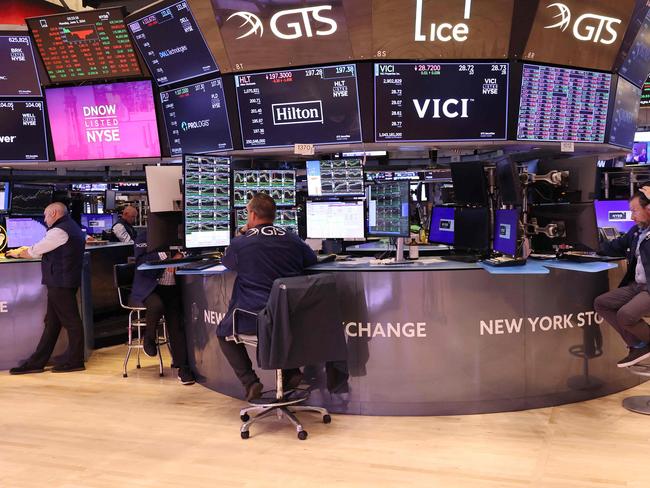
260	255
625	307
61	252
123	229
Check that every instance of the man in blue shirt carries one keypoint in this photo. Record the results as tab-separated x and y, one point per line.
625	307
261	254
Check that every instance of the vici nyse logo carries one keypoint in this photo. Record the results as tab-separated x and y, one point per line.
587	27
297	112
451	108
445	31
289	24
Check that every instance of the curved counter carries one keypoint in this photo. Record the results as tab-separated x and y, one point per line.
437	337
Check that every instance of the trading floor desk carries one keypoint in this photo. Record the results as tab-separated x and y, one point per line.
438	337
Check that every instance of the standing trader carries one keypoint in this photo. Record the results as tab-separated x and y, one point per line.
61	252
625	307
260	255
123	228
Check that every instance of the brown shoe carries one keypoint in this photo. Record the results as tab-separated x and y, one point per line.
254	391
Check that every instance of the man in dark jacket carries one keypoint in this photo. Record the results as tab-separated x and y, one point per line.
157	290
123	229
625	307
61	252
260	254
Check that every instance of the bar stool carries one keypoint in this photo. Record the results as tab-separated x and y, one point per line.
639	403
123	275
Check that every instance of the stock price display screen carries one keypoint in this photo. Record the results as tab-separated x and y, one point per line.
637	63
196	118
18	75
310	106
645	93
441	102
85	45
22	131
279	184
625	114
172	45
563	104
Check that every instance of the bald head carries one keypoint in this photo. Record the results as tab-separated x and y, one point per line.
130	214
53	212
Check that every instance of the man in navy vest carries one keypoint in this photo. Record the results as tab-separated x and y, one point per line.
260	255
123	229
61	252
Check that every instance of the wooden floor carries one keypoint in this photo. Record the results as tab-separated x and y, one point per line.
95	429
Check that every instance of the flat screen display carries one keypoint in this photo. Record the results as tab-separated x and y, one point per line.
639	153
171	42
578	33
278	184
645	93
309	106
97	223
441	230
88	45
206	201
285	218
388	209
563	104
18	73
22	131
24	231
109	121
625	114
441	101
339	177
30	199
506	229
196	118
472	229
614	213
636	65
335	220
4	197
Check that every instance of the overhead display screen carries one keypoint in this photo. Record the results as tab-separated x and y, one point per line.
625	114
111	121
447	29
171	43
441	102
259	34
88	45
637	62
645	93
310	106
18	73
196	118
279	184
335	178
579	33
563	104
22	131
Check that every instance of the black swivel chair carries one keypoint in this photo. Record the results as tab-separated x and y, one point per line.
301	325
123	275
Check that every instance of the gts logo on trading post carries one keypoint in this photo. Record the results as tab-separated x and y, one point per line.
587	27
299	23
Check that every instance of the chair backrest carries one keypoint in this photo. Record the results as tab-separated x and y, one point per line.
123	275
301	323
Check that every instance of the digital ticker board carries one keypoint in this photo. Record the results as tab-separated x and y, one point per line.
441	101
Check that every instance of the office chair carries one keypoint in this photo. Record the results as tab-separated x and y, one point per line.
123	275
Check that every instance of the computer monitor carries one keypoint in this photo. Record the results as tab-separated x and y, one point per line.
614	213
508	182
582	183
4	197
278	184
472	229
109	203
24	231
164	188
470	183
388	209
335	220
97	223
30	199
335	178
164	231
506	231
576	224
441	229
639	153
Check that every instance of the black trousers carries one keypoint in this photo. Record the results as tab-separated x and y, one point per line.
62	311
240	362
166	300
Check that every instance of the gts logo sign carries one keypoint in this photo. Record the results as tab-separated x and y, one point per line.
7	139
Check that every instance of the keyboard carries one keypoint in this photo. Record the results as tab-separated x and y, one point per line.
188	259
203	264
461	259
586	257
504	262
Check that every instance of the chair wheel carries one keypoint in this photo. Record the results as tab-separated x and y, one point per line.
124	375
245	435
245	417
327	419
302	435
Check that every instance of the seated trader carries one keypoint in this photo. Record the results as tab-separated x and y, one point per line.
157	290
260	255
625	307
123	229
61	252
